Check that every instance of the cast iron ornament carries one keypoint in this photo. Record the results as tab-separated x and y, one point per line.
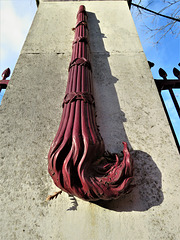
78	162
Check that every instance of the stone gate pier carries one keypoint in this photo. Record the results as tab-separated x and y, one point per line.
128	109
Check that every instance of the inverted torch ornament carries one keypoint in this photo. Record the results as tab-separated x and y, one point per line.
78	162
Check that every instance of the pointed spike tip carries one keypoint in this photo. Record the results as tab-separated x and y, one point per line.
151	64
6	73
162	73
176	73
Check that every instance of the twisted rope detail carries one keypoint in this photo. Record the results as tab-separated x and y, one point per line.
80	39
80	23
74	96
80	62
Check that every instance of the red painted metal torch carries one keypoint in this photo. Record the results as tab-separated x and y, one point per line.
78	162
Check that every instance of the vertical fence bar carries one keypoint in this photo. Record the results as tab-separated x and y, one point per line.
169	85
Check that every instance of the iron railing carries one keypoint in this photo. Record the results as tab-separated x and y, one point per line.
4	82
169	84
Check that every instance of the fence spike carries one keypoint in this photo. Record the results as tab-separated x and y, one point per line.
6	73
162	73
151	64
176	73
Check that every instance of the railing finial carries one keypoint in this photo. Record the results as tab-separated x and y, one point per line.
5	74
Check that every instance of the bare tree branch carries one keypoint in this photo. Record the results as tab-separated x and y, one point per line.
169	17
157	13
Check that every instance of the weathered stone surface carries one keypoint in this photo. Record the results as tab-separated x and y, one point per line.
128	109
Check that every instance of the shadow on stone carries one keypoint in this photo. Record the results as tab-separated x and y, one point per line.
147	192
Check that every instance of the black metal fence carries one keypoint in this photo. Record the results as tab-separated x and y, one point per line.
169	84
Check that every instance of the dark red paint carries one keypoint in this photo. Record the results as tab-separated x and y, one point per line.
4	82
78	162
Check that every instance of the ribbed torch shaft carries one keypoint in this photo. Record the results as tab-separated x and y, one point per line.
78	162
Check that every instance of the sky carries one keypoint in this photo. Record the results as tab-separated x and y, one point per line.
165	54
16	17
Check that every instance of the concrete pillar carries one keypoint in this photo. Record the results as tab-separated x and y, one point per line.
128	109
